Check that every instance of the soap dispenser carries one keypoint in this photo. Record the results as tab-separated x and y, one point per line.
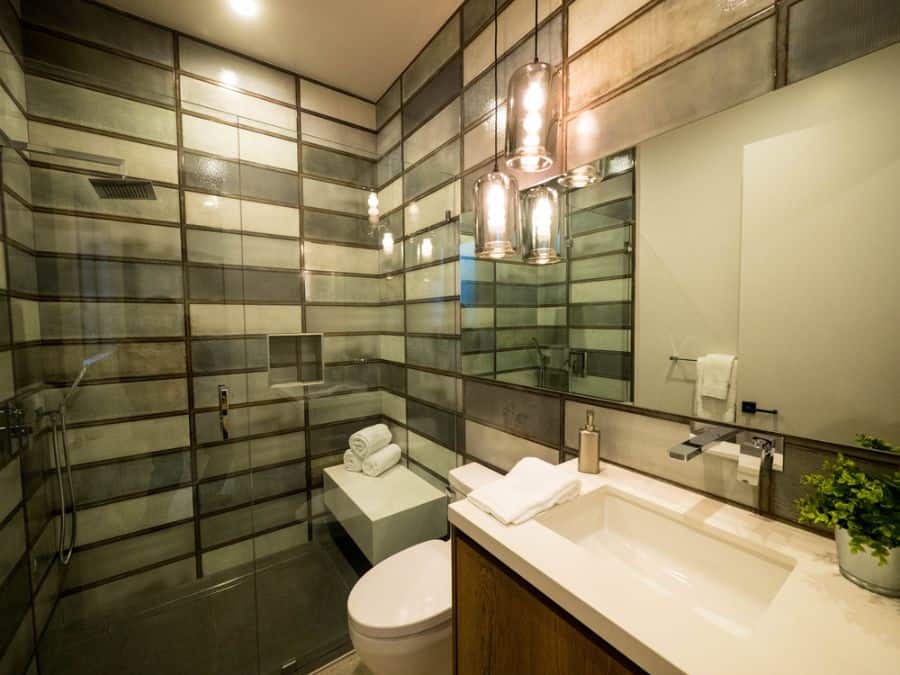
589	446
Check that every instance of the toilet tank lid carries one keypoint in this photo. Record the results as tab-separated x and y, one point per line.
472	476
403	595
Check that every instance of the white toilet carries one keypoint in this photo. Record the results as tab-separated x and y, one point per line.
400	610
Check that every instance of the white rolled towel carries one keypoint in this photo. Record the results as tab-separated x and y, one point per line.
351	461
382	460
371	439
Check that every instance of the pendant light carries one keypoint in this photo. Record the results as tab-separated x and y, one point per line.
532	114
497	227
544	234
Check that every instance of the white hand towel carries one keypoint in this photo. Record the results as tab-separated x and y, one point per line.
381	460
351	461
714	375
713	408
371	439
531	486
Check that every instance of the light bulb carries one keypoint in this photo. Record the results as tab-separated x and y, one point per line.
541	219
246	8
228	77
373	200
426	247
387	243
530	163
496	210
534	97
532	123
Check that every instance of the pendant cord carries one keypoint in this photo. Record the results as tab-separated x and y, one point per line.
496	94
536	30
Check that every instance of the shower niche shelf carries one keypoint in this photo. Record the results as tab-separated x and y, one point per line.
295	359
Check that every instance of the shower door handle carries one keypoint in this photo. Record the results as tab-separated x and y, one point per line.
223	410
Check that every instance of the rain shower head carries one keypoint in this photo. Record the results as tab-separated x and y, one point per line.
123	188
87	363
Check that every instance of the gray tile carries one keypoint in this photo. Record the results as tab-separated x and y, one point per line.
93	66
826	33
475	15
22	270
437	169
108	279
440	353
106	561
532	415
77	105
433	317
664	31
389	166
478	340
128	359
57	233
431	247
441	47
99	483
349	229
103	26
442	89
213	174
523	295
232	457
729	73
61	320
338	166
209	356
125	399
433	388
15	601
476	294
388	104
438	425
503	450
608	315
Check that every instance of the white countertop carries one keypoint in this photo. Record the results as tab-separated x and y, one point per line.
818	623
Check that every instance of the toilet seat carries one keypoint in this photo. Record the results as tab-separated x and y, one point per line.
405	594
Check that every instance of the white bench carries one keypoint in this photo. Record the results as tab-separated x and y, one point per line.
386	514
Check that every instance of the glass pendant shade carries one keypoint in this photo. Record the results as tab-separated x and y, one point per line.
532	118
497	228
544	233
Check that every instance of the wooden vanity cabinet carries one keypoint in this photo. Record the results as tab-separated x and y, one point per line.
504	626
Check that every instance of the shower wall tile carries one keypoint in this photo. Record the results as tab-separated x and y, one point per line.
232	457
438	130
103	562
321	99
141	160
212	174
438	168
440	90
13	537
432	456
612	339
347	406
713	80
665	31
232	106
434	246
431	352
436	281
442	46
71	191
329	133
234	71
440	390
528	414
126	399
389	166
110	481
588	19
388	104
19	222
333	197
59	233
827	33
91	66
390	197
103	26
26	320
217	355
433	317
360	320
336	166
76	105
389	136
108	279
234	214
475	15
127	359
325	257
339	228
112	441
433	208
341	289
119	518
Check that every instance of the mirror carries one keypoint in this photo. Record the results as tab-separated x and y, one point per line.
769	232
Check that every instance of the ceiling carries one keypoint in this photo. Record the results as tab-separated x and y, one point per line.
357	45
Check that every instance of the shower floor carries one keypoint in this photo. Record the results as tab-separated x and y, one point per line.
292	606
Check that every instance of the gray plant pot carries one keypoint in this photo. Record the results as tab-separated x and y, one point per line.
863	569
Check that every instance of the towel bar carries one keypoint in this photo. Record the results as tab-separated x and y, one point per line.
681	358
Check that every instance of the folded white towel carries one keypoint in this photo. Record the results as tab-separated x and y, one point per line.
712	407
381	460
351	461
366	441
530	487
714	375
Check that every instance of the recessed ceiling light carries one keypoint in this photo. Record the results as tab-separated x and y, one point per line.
245	8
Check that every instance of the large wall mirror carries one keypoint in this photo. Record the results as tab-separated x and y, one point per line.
769	232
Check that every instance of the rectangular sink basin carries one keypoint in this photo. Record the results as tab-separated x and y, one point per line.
722	582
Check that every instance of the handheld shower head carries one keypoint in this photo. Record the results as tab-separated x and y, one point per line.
87	363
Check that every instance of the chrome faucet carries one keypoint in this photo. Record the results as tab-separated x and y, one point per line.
692	447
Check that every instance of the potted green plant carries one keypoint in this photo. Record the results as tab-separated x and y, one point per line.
864	511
